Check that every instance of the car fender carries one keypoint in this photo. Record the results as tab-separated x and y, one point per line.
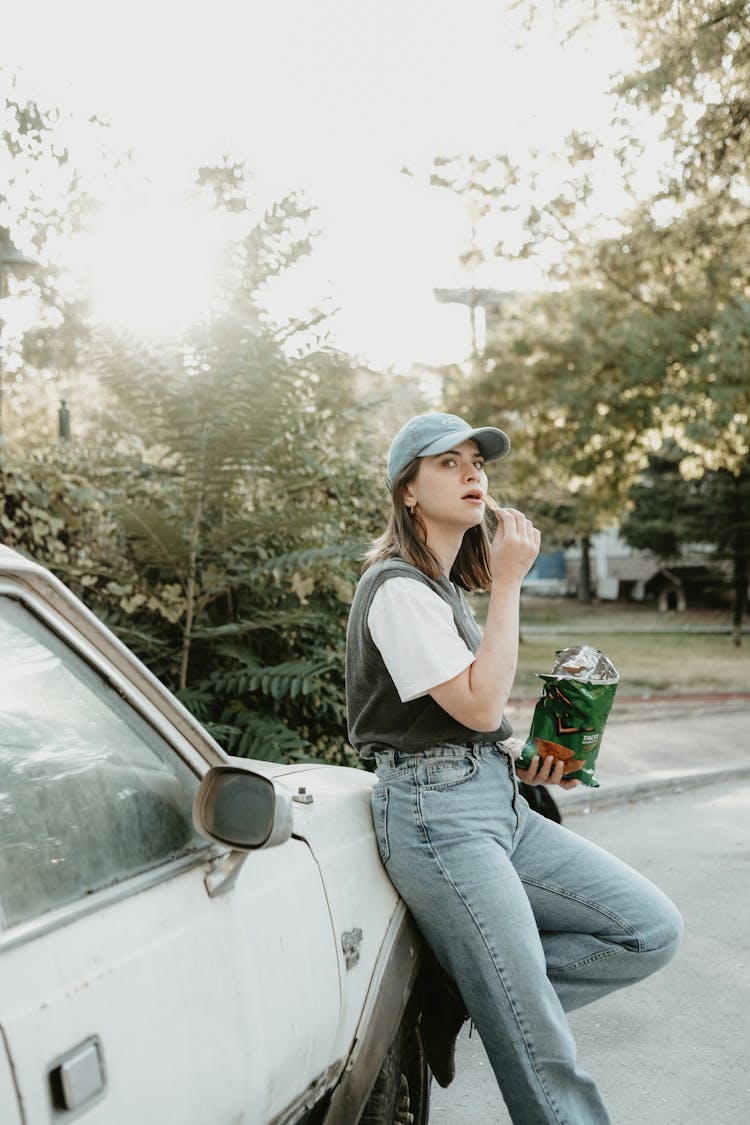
393	988
332	815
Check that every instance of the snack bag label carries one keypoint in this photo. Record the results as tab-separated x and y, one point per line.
568	724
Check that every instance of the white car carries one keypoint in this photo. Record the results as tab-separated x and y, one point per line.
185	938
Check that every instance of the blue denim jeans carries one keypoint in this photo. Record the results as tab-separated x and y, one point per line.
529	919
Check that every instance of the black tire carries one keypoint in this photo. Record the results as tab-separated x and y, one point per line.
401	1094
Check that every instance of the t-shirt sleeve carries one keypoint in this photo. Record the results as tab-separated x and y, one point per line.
414	631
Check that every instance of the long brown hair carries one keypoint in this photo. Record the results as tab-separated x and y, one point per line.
405	537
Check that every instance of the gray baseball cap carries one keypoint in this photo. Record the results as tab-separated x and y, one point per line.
430	434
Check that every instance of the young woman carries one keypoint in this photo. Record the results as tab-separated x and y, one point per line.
528	919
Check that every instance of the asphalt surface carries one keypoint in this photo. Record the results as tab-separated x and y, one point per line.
675	803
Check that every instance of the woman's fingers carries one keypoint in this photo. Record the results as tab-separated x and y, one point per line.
523	523
546	771
516	542
530	775
510	520
550	771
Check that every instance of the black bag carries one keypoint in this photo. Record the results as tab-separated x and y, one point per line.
540	800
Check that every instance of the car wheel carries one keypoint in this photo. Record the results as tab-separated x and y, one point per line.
401	1094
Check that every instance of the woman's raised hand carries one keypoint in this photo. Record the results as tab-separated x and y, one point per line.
516	544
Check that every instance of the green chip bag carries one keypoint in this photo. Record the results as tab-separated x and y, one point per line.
571	713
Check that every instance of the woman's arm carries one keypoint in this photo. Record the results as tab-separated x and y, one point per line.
478	696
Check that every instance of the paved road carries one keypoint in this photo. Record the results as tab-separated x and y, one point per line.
673	1050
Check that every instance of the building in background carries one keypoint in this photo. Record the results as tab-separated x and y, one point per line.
620	571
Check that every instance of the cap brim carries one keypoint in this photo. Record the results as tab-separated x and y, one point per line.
492	443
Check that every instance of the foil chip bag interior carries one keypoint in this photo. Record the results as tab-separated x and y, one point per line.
572	711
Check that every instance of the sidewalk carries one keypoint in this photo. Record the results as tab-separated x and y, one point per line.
659	745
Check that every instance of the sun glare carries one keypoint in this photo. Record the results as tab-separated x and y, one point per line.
483	83
150	270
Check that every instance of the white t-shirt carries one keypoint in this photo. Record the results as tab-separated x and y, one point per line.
414	631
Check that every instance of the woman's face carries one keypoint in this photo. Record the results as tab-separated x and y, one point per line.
449	488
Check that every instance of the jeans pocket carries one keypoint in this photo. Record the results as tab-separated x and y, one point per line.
445	773
379	806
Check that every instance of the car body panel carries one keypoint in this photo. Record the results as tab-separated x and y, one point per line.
158	977
10	1111
393	988
337	825
193	1006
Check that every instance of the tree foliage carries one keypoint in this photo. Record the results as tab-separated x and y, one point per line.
214	509
673	512
50	511
45	199
242	499
646	339
244	506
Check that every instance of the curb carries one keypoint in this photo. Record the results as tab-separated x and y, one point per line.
582	801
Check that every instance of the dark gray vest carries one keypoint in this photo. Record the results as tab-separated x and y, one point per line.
377	718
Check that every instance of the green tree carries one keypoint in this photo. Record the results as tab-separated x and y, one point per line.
683	255
236	481
215	508
673	512
45	199
551	371
52	512
648	336
575	377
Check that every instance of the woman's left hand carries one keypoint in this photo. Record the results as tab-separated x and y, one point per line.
546	771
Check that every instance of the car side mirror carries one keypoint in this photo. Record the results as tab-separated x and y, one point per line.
235	805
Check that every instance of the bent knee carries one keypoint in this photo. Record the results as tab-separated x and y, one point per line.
665	933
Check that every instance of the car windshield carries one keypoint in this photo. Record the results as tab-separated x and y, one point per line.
90	794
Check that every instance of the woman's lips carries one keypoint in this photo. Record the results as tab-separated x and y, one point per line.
483	498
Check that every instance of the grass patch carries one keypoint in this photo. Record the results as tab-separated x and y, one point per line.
613	616
653	652
657	662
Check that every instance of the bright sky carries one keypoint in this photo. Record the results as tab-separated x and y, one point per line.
332	97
